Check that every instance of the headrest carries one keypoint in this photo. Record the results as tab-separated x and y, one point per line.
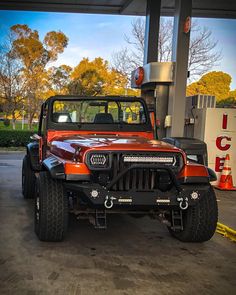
103	118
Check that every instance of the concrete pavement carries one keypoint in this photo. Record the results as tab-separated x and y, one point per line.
133	256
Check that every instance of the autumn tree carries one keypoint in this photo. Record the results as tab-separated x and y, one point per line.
213	83
12	82
232	94
34	56
59	79
96	78
203	55
229	102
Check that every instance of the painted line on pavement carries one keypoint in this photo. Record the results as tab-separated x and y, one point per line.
226	231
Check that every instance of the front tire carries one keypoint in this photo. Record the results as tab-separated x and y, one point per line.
199	221
51	209
28	179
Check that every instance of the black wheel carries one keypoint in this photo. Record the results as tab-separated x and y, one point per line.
28	179
199	221
51	209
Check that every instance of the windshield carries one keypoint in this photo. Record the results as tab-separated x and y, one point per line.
98	111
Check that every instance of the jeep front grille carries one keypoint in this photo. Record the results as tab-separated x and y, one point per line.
140	179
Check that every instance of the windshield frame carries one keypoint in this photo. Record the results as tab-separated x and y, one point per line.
98	127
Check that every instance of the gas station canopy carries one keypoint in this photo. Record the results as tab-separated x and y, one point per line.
200	8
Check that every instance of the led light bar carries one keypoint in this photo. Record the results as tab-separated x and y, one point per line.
98	160
153	159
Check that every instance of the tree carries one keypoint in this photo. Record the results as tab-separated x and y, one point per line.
233	94
95	78
59	79
229	102
12	82
34	56
202	51
213	83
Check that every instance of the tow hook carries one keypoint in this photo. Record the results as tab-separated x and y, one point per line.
183	203
109	202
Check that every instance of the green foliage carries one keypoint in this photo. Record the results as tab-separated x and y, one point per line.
14	138
33	55
6	122
18	126
59	79
229	102
213	83
232	94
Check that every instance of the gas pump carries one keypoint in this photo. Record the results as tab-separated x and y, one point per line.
154	79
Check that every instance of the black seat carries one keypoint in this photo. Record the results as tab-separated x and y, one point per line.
103	118
66	117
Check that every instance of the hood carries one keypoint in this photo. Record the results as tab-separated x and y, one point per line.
66	146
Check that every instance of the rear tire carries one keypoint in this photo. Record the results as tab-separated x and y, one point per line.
199	221
51	209
28	179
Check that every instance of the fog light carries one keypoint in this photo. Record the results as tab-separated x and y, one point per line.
194	195
94	193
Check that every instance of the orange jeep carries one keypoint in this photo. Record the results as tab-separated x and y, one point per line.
98	155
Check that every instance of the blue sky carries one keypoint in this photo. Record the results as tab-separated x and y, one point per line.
92	35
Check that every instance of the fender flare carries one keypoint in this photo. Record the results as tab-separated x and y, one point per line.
32	150
54	167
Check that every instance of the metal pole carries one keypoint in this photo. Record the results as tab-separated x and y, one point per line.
153	12
161	94
180	51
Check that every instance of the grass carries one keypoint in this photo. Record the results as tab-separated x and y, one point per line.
18	127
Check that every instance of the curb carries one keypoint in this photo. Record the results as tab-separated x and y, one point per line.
9	151
226	231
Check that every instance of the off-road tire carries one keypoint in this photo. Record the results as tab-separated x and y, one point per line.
199	221
28	179
51	209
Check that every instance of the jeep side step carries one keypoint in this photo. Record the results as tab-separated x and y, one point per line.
98	218
176	220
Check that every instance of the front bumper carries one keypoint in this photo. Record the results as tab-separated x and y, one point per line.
97	196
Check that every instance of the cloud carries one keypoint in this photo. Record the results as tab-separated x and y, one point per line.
104	24
73	55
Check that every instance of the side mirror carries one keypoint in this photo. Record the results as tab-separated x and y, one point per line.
35	137
212	174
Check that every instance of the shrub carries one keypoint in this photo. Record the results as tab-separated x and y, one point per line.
6	122
14	138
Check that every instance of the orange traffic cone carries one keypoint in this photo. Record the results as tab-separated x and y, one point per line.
226	180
